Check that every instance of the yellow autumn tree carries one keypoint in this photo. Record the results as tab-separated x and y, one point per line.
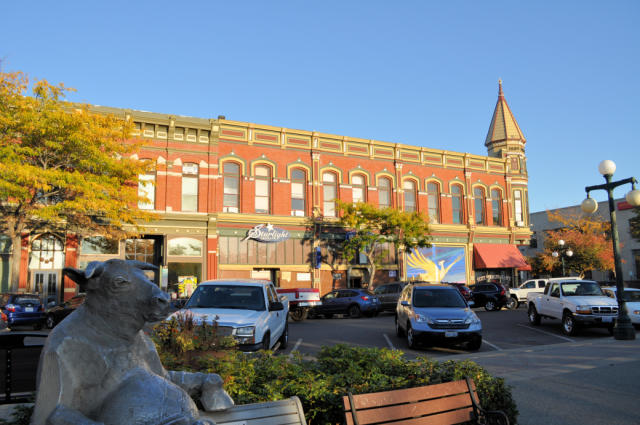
63	169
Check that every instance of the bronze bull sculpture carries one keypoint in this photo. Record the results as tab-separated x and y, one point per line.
98	366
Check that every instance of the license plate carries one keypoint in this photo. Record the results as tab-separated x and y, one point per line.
450	334
607	319
28	309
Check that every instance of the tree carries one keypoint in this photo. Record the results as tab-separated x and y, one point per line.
634	224
370	228
63	169
589	239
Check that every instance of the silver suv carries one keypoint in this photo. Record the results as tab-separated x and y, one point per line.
434	314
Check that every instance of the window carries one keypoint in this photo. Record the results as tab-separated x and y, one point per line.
298	190
517	208
478	206
188	247
97	245
231	197
636	259
409	187
47	252
146	191
190	187
263	189
358	189
139	249
456	204
496	207
433	198
330	194
384	192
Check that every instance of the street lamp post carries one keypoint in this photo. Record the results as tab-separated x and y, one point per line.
623	328
562	253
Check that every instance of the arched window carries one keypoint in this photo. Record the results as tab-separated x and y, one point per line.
298	191
433	198
410	197
47	252
358	188
496	207
384	192
231	177
456	204
263	189
517	208
330	194
479	205
146	189
189	187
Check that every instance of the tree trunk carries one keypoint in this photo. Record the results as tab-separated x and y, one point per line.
16	244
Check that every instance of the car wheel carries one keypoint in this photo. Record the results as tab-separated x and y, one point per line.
534	317
354	312
490	305
328	315
299	314
399	330
50	322
284	338
568	324
474	344
512	303
266	341
411	340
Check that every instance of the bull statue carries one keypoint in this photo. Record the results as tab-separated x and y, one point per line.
99	368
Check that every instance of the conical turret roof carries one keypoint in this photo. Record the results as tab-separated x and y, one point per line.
503	124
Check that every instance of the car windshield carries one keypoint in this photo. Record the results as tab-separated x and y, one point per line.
438	298
26	300
631	296
227	296
579	288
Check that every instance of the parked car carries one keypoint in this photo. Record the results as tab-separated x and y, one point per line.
492	296
353	302
631	298
388	294
519	295
432	314
22	309
55	314
465	292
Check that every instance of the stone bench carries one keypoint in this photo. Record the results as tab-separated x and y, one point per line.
281	412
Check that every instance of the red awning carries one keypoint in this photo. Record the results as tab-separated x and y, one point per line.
498	256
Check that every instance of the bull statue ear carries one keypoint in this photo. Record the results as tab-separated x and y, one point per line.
82	277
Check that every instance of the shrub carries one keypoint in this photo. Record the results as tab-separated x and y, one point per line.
321	383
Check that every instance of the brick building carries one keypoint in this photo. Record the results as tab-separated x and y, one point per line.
222	188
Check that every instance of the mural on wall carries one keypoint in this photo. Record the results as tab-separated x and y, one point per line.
437	264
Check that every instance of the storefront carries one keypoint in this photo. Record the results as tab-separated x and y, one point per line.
498	262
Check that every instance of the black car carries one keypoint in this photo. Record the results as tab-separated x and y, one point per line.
59	312
353	302
490	295
388	294
22	309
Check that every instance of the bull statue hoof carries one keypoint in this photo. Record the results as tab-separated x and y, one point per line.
98	367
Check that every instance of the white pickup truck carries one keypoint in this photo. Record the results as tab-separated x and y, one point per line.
519	295
250	310
575	302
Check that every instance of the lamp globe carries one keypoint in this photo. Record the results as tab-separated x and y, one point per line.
607	167
589	205
633	197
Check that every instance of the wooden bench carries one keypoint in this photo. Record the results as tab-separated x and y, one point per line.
439	404
19	365
281	412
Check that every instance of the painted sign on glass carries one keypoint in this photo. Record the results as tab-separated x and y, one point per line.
437	264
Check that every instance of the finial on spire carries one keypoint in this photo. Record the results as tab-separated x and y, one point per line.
500	94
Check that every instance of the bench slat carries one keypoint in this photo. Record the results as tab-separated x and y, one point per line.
412	410
448	418
385	398
281	412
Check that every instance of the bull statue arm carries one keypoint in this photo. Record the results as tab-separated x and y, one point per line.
207	387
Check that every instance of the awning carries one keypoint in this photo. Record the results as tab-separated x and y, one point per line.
498	256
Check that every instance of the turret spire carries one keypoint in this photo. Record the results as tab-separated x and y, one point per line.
504	129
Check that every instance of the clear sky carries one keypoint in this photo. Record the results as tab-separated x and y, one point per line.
422	73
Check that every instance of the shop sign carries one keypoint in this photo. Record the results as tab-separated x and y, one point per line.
267	233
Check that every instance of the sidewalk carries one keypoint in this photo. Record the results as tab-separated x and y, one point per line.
595	382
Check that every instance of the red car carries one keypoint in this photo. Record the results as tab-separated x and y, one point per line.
465	291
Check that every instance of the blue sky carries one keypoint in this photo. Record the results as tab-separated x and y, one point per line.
423	73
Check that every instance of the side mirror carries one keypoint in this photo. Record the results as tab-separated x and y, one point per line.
405	303
276	306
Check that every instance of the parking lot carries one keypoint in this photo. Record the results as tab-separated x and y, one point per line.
502	330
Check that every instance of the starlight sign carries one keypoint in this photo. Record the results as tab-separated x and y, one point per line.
267	233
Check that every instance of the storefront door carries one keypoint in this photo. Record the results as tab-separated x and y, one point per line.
45	283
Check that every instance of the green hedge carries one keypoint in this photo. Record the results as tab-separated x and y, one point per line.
321	383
